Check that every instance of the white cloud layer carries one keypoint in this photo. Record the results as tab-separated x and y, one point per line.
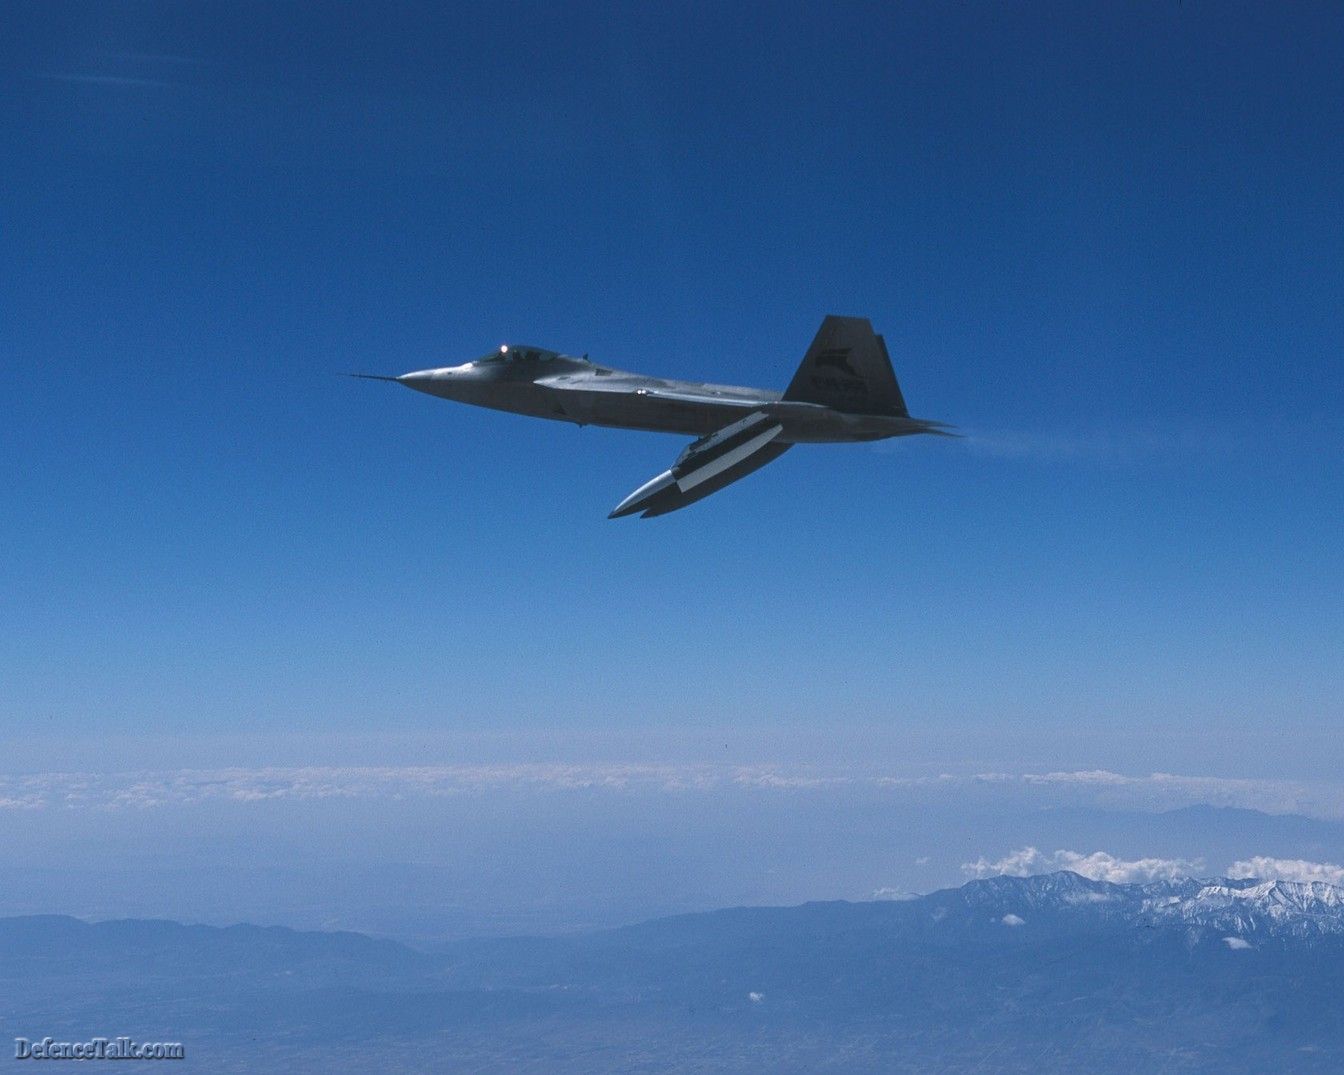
1272	869
1098	866
186	786
1097	787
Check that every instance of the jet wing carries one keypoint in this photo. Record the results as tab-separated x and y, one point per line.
708	465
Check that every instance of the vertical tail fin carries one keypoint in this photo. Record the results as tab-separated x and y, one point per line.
847	368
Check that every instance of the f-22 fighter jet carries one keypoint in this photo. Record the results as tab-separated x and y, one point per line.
845	390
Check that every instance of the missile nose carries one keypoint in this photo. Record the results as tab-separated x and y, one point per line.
645	496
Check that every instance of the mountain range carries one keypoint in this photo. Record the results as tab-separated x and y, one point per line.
1047	973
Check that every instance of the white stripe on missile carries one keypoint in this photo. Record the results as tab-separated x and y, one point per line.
691	479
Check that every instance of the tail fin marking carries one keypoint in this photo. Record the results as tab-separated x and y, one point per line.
848	368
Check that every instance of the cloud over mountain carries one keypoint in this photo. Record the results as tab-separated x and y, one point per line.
1273	869
1097	866
1102	866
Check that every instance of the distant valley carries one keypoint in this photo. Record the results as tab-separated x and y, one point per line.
1047	973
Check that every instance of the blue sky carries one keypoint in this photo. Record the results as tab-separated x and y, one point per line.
1105	245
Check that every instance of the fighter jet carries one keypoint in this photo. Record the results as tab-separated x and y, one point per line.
845	390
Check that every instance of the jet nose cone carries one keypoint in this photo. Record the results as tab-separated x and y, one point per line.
420	380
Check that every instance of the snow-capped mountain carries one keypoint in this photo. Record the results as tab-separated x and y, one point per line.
1247	907
1277	908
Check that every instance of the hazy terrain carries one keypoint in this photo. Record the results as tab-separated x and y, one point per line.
428	854
1047	973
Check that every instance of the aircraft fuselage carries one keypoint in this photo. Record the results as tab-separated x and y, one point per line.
575	390
844	390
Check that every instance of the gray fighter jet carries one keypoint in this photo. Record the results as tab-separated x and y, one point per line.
845	390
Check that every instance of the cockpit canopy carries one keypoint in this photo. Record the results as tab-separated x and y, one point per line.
518	352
